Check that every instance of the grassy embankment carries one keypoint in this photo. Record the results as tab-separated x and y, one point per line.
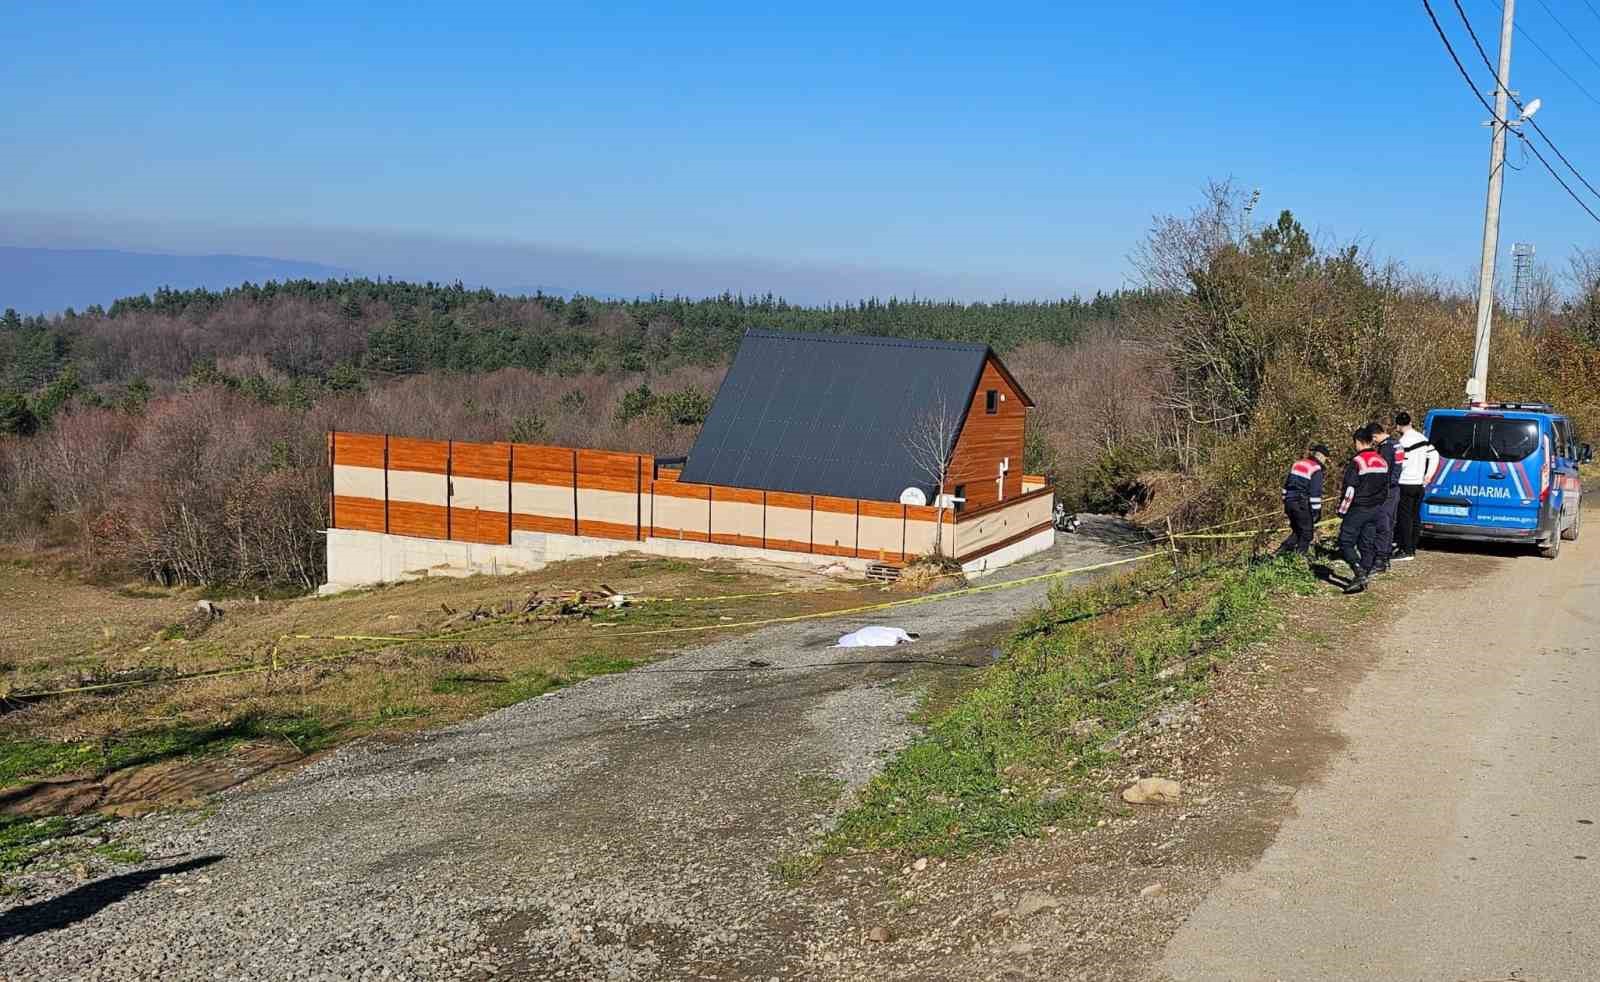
1020	749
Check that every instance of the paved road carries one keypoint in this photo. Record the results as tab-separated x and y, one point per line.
624	828
1455	837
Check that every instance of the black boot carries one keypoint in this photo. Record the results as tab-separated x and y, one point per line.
1357	585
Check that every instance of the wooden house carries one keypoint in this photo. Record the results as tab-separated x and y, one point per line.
853	417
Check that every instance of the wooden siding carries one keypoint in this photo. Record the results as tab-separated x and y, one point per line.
484	492
988	439
427	456
357	449
490	461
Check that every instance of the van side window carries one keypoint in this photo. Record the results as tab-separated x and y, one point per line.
1563	440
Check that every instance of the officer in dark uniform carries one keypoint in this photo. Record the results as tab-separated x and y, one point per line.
1302	499
1395	456
1366	487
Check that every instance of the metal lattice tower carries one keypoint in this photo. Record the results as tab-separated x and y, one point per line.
1521	277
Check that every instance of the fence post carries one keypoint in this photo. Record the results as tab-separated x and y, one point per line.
386	484
1172	547
333	476
511	474
574	492
449	488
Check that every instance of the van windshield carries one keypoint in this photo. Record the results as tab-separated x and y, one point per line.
1484	437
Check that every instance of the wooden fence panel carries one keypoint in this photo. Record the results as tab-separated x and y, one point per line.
834	524
358	449
360	486
788	521
681	511
609	488
424	456
882	531
736	517
419	492
542	489
481	492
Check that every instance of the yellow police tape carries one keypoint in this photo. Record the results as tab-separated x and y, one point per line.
728	625
459	638
384	640
1247	535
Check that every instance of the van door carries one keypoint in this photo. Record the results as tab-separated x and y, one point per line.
1493	470
1566	487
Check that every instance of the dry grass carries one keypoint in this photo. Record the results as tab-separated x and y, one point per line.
57	633
926	574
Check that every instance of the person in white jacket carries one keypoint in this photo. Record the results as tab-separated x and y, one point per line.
1421	463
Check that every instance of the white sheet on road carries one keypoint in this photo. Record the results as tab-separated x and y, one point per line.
875	636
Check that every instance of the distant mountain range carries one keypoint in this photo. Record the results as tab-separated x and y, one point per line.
47	281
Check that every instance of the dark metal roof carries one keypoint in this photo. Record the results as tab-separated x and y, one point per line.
830	414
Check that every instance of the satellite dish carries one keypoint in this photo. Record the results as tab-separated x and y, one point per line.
913	496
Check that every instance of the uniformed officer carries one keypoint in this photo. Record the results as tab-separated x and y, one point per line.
1302	499
1395	456
1366	486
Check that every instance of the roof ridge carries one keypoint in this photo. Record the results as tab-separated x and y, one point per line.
878	339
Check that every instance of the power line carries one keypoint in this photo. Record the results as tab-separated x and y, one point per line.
1596	13
1495	73
1467	76
1573	37
1552	60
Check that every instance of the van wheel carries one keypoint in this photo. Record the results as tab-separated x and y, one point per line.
1553	548
1571	534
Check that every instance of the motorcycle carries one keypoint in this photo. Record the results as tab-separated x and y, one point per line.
1062	520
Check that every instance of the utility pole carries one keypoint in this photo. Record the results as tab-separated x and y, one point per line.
1477	385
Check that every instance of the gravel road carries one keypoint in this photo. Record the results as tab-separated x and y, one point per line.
1454	838
624	828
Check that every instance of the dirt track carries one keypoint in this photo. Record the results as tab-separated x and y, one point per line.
1454	837
625	827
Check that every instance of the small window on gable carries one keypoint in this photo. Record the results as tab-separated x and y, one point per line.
991	401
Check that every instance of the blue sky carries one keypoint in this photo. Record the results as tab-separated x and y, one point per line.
959	150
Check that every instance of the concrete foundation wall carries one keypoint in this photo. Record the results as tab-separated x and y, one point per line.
357	559
1038	542
364	558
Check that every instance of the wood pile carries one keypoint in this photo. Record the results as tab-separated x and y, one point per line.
551	607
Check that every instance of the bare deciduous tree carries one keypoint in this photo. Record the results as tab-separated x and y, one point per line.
931	442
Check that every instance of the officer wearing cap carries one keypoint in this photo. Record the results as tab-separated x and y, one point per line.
1302	499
